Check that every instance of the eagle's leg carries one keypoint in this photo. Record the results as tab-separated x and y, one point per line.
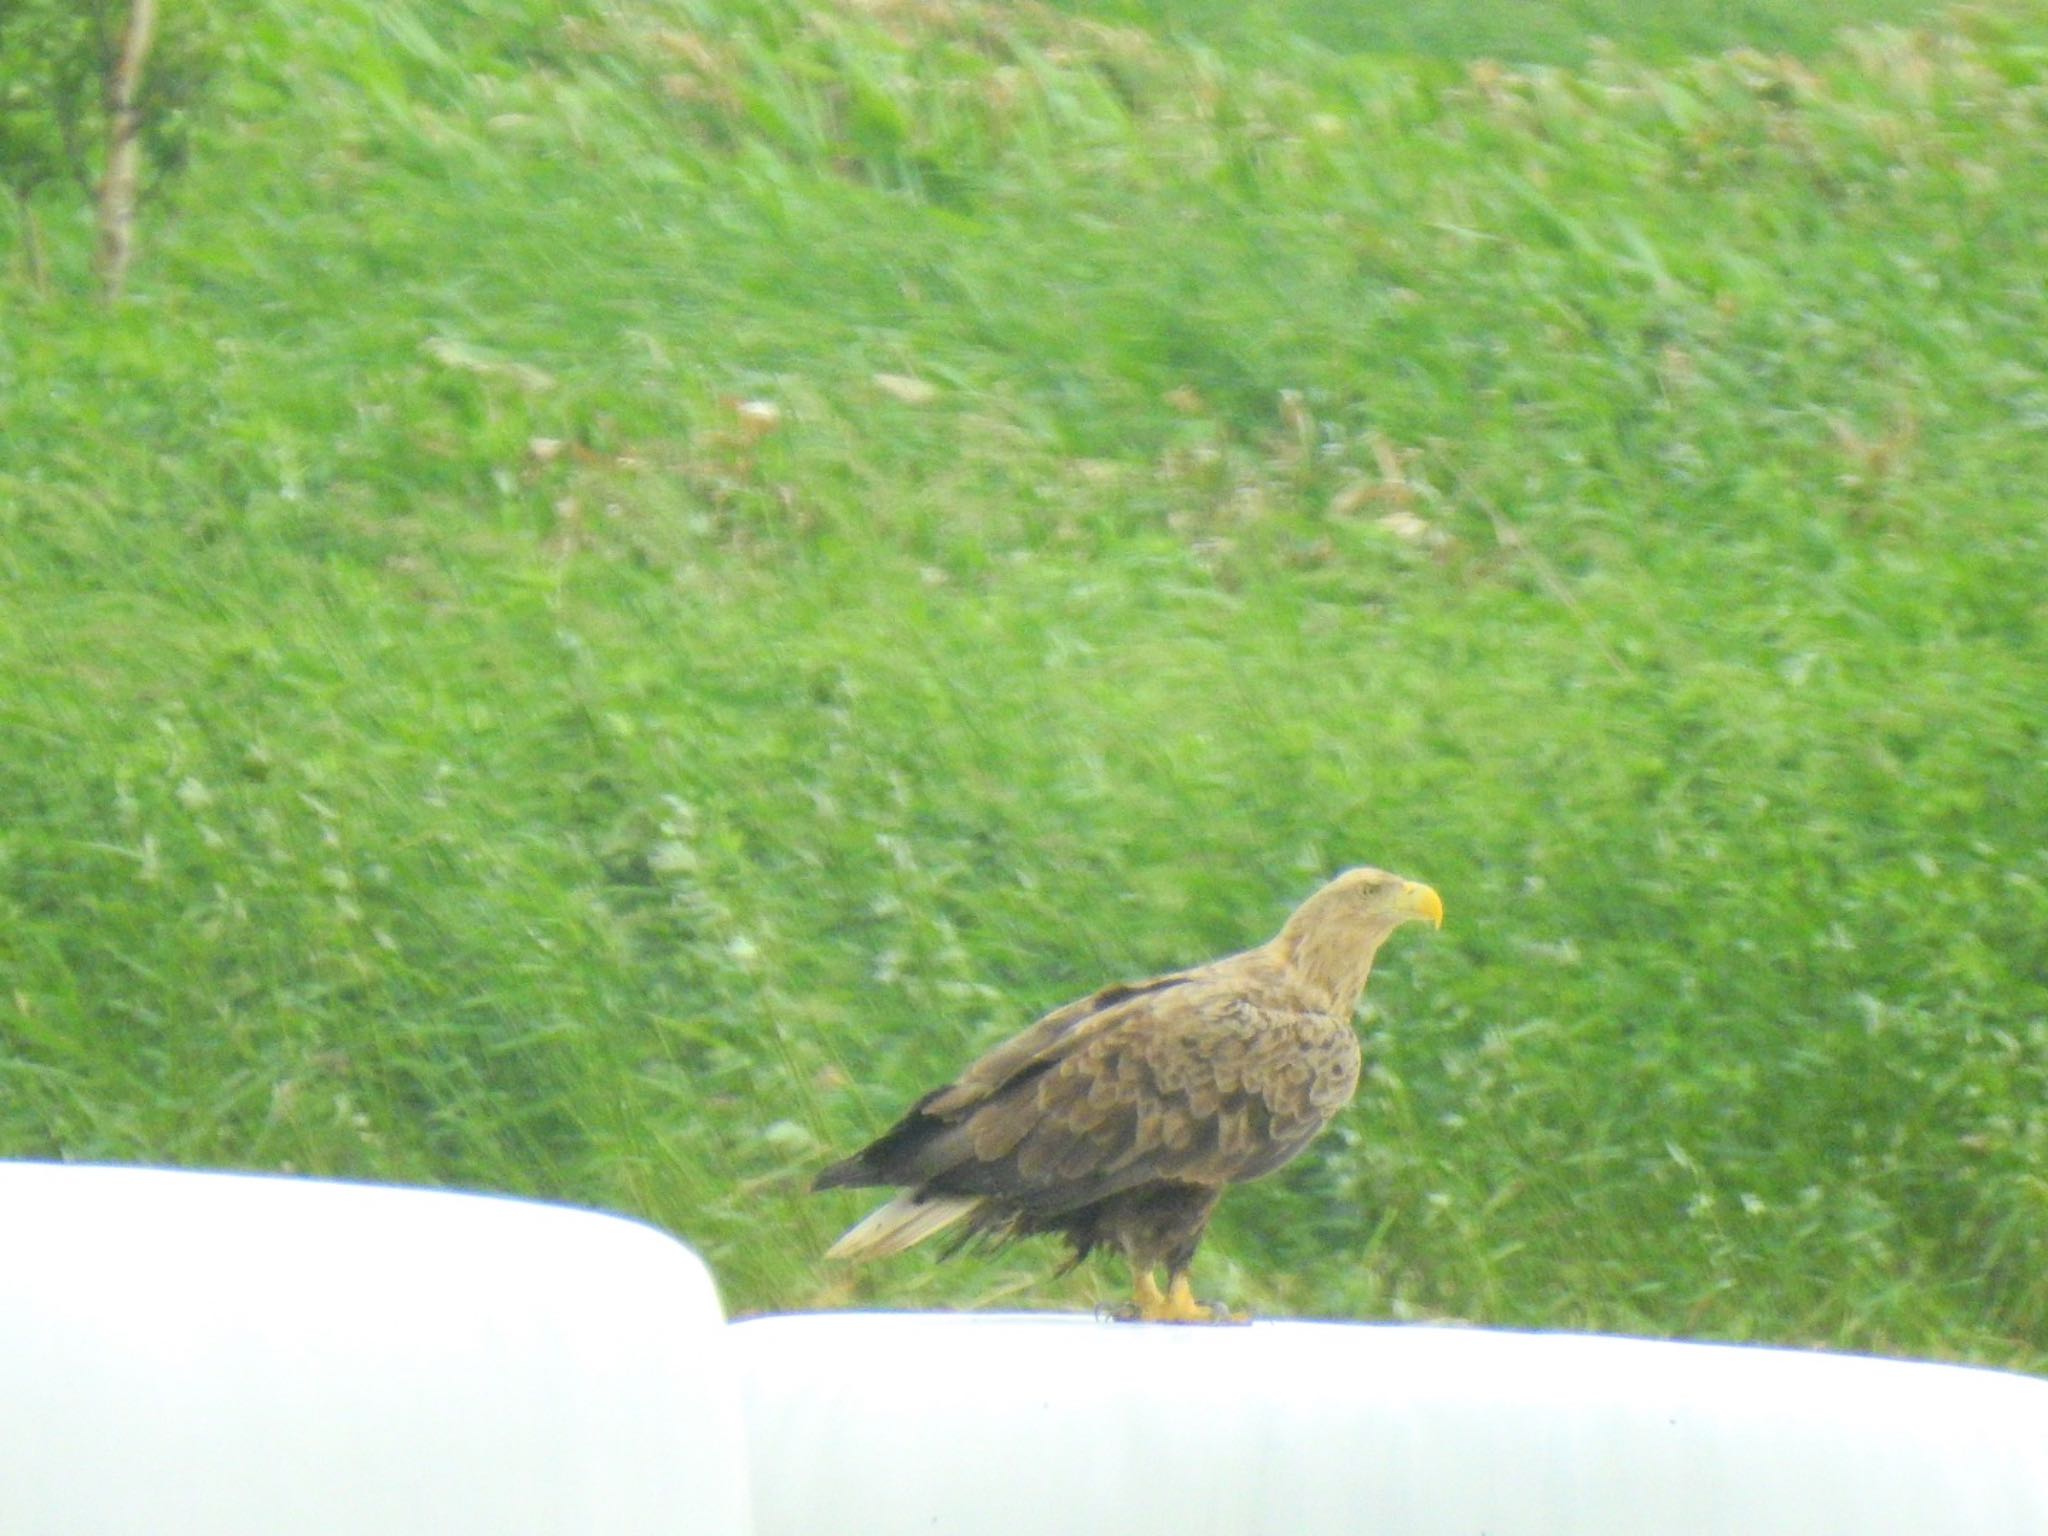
1145	1286
1176	1304
1153	1305
1163	1223
1150	1297
1181	1306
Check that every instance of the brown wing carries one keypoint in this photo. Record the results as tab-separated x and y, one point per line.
1200	1087
1210	1077
1059	1034
903	1153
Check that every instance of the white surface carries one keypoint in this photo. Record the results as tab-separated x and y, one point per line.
203	1355
884	1425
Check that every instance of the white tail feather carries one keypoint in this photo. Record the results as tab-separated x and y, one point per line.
902	1223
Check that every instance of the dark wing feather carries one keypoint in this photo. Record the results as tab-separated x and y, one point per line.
1208	1077
1056	1035
901	1154
1202	1090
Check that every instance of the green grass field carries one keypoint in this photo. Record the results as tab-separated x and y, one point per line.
627	590
1517	31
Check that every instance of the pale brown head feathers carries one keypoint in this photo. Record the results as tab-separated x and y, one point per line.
1332	937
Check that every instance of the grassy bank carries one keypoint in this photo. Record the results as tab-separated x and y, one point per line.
629	589
1531	32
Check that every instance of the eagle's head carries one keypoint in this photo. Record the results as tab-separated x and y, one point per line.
1332	937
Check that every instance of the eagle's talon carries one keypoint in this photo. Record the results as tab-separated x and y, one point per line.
1176	1304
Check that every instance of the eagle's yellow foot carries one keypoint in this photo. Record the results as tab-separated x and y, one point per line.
1176	1305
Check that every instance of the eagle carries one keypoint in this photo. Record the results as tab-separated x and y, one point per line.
1119	1120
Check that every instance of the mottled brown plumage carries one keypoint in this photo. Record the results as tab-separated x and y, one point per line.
1120	1119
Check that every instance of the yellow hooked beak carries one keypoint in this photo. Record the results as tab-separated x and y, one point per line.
1421	901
